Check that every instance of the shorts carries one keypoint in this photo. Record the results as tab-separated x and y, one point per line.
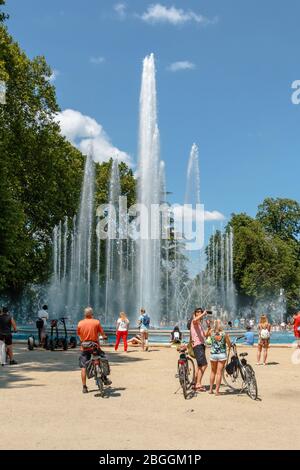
218	357
264	343
144	329
199	351
85	356
7	339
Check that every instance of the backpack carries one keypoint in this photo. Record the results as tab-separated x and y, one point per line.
264	333
232	366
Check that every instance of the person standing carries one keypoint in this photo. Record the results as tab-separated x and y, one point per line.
6	324
144	325
89	330
122	330
197	338
44	316
264	335
218	354
296	324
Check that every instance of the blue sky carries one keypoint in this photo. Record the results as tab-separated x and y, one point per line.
232	95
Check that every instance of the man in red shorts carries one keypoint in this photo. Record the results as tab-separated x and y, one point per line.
89	329
297	327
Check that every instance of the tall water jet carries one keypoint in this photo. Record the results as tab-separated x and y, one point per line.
148	256
112	254
165	243
192	193
192	198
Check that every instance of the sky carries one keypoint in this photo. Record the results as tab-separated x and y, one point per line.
224	80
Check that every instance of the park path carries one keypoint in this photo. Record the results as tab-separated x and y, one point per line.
42	406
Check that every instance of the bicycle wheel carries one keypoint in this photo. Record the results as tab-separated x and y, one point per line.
190	372
98	379
250	382
182	379
234	380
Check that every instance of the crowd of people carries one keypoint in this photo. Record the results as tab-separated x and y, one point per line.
203	332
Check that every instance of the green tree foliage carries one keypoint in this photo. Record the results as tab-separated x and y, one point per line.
266	252
3	16
41	172
280	217
127	182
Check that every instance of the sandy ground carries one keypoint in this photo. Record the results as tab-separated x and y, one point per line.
42	406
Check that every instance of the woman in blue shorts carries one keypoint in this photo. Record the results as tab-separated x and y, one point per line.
218	354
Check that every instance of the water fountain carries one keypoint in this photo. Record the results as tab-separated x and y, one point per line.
148	249
121	273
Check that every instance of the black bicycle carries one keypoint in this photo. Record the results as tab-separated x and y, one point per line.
238	374
97	367
185	371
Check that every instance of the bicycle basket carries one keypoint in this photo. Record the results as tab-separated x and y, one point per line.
105	366
90	372
231	366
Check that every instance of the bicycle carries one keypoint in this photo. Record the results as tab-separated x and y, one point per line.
238	374
185	371
97	366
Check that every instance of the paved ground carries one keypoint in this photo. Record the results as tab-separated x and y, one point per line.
42	406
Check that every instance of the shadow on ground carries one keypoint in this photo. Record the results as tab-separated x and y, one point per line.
40	360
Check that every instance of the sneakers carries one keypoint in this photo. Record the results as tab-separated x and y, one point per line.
85	389
13	362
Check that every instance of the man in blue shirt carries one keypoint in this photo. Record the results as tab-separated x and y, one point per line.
249	336
144	325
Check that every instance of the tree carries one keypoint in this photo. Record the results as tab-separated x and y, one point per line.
41	172
127	182
3	15
280	217
264	262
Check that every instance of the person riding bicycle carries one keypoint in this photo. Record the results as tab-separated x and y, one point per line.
89	330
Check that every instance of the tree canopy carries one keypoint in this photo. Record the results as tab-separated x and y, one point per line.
41	172
267	252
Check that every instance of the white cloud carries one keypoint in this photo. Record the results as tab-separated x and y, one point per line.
120	9
97	60
86	133
157	13
213	216
181	65
190	214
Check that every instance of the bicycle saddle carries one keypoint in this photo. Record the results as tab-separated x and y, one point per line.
243	354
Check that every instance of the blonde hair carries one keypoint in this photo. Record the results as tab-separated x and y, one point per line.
263	321
123	316
218	326
88	312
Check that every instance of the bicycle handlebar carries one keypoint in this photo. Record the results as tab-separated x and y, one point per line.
236	339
